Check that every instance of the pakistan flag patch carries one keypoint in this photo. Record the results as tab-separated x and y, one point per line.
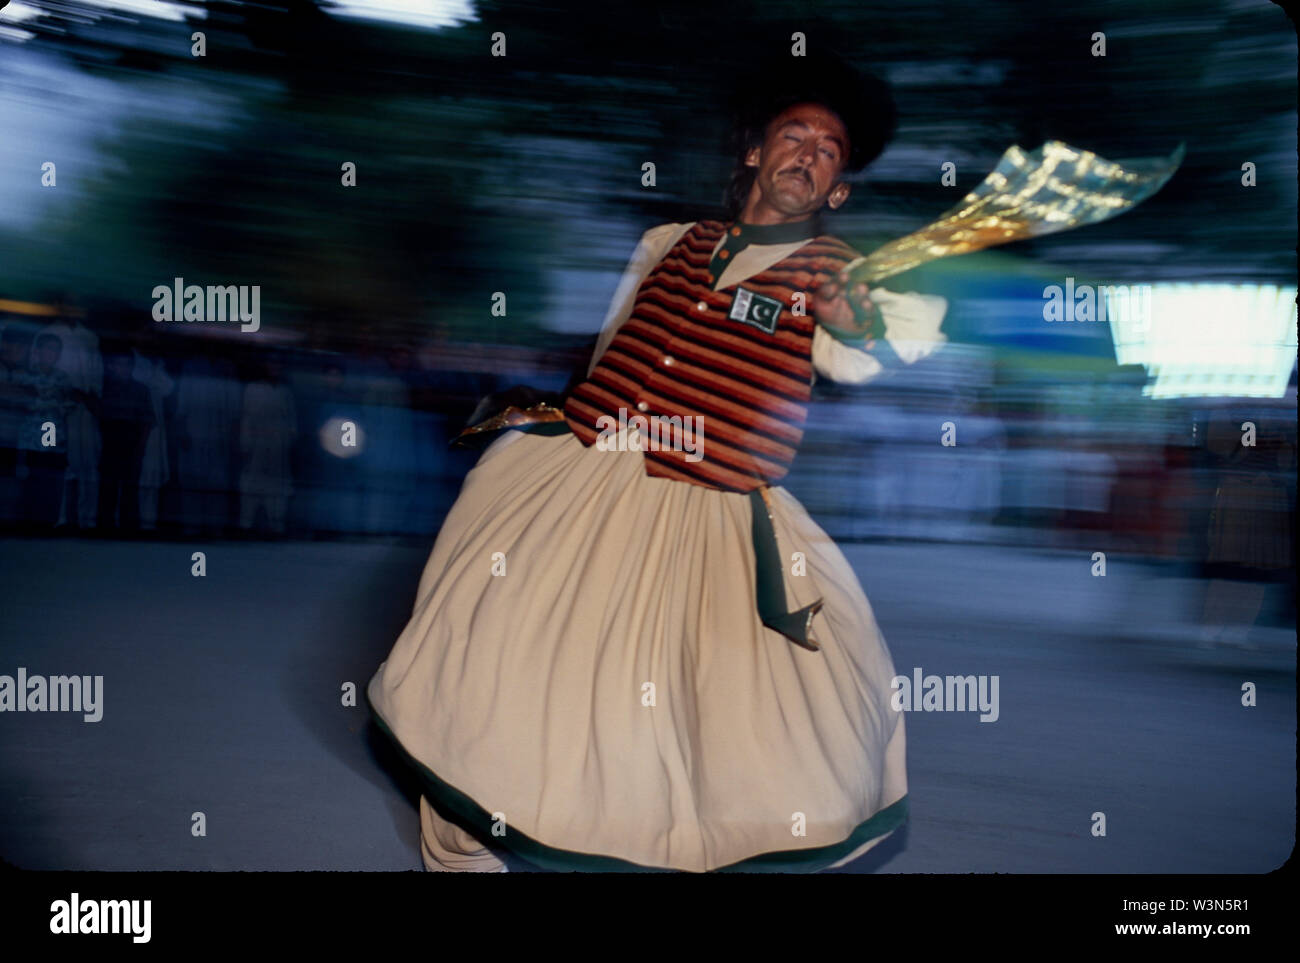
756	309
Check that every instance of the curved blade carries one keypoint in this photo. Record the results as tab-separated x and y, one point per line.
1054	188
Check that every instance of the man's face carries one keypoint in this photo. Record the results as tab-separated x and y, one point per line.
804	150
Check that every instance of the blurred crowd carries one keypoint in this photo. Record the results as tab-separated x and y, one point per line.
110	426
113	434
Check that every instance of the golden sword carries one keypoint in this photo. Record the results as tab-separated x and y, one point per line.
1029	194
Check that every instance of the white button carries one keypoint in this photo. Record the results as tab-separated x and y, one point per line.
668	359
642	406
701	306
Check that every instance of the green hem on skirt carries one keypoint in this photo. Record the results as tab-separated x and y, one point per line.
463	810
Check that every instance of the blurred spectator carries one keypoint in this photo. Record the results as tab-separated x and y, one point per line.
329	466
154	470
444	391
43	436
208	408
266	431
126	418
1249	537
80	361
389	460
15	346
1174	506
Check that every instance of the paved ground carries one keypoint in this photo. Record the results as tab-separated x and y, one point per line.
222	695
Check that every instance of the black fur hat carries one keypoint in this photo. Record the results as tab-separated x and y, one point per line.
861	100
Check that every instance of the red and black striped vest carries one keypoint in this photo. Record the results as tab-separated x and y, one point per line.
740	358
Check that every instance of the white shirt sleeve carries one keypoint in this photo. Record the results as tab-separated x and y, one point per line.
654	244
913	325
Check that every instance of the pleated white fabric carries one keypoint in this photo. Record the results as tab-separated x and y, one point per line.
611	689
448	848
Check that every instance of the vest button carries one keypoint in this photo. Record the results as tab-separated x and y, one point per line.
724	254
735	232
668	359
642	406
702	307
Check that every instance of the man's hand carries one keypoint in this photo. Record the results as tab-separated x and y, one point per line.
849	312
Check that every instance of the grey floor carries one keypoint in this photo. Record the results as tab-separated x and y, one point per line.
222	696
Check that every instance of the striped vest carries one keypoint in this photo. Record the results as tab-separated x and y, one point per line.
738	358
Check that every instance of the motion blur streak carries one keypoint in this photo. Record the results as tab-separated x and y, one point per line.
378	176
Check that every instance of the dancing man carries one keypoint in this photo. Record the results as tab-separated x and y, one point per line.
631	648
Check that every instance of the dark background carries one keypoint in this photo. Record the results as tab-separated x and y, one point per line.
522	174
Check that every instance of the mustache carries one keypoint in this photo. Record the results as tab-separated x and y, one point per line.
800	172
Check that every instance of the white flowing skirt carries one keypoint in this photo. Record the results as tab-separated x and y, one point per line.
587	672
